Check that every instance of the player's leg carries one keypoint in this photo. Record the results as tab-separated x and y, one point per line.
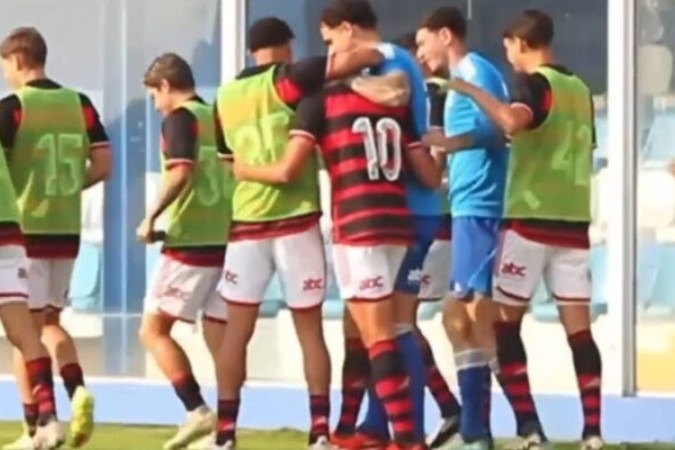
22	333
435	275
248	270
568	278
303	277
519	270
366	276
174	295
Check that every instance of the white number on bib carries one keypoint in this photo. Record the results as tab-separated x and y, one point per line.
377	140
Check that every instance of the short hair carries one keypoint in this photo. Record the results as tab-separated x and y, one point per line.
355	12
28	43
408	41
446	17
172	68
268	32
534	26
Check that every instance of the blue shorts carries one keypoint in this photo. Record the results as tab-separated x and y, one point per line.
409	279
474	248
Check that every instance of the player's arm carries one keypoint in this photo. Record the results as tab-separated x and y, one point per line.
180	142
100	158
9	107
306	126
390	89
224	151
345	64
424	166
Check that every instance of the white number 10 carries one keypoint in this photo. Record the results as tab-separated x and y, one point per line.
376	141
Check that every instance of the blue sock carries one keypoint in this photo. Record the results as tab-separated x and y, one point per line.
487	399
471	378
375	421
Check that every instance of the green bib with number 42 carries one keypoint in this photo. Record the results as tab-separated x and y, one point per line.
48	160
201	214
550	167
256	124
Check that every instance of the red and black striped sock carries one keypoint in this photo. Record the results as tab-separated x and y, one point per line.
355	376
391	384
188	391
72	377
30	416
319	410
42	381
440	391
513	375
588	367
228	411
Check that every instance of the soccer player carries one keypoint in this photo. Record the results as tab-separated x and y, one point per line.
270	223
547	213
366	148
57	147
196	192
476	189
344	24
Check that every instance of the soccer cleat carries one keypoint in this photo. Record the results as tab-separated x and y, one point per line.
49	436
592	443
229	445
82	417
357	441
205	443
457	443
322	443
23	442
532	441
446	431
198	423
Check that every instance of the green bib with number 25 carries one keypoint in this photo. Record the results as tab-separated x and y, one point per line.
201	214
48	161
550	167
256	123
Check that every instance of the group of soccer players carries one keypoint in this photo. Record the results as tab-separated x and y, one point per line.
240	188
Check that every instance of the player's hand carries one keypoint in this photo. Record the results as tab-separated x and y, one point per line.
434	139
239	169
146	231
459	85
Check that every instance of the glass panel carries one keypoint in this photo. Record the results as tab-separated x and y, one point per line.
581	41
656	195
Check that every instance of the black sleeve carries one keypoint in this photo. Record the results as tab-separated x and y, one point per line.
10	107
95	129
223	150
533	91
310	117
308	74
179	137
436	108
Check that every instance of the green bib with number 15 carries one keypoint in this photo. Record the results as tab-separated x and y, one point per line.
48	160
550	167
256	124
201	214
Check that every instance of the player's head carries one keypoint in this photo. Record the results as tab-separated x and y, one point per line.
440	31
169	80
24	55
344	22
530	33
270	39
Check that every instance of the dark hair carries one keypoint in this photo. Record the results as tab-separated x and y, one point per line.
268	32
408	41
28	43
534	26
355	12
172	68
446	17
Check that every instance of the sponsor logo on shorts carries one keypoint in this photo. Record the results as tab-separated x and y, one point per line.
371	283
312	284
513	270
415	276
175	293
22	273
426	280
457	288
230	277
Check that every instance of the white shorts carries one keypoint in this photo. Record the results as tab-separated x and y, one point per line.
436	271
13	274
523	264
367	272
49	283
180	291
298	259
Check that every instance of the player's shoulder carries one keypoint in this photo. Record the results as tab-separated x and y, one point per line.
9	103
179	118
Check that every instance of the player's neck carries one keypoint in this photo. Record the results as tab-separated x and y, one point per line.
369	36
537	59
456	53
32	75
266	56
179	98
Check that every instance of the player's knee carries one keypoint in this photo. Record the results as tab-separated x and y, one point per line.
52	318
457	325
152	328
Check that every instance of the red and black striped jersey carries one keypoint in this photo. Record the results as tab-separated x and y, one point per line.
364	148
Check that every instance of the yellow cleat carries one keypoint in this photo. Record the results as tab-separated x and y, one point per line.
82	417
